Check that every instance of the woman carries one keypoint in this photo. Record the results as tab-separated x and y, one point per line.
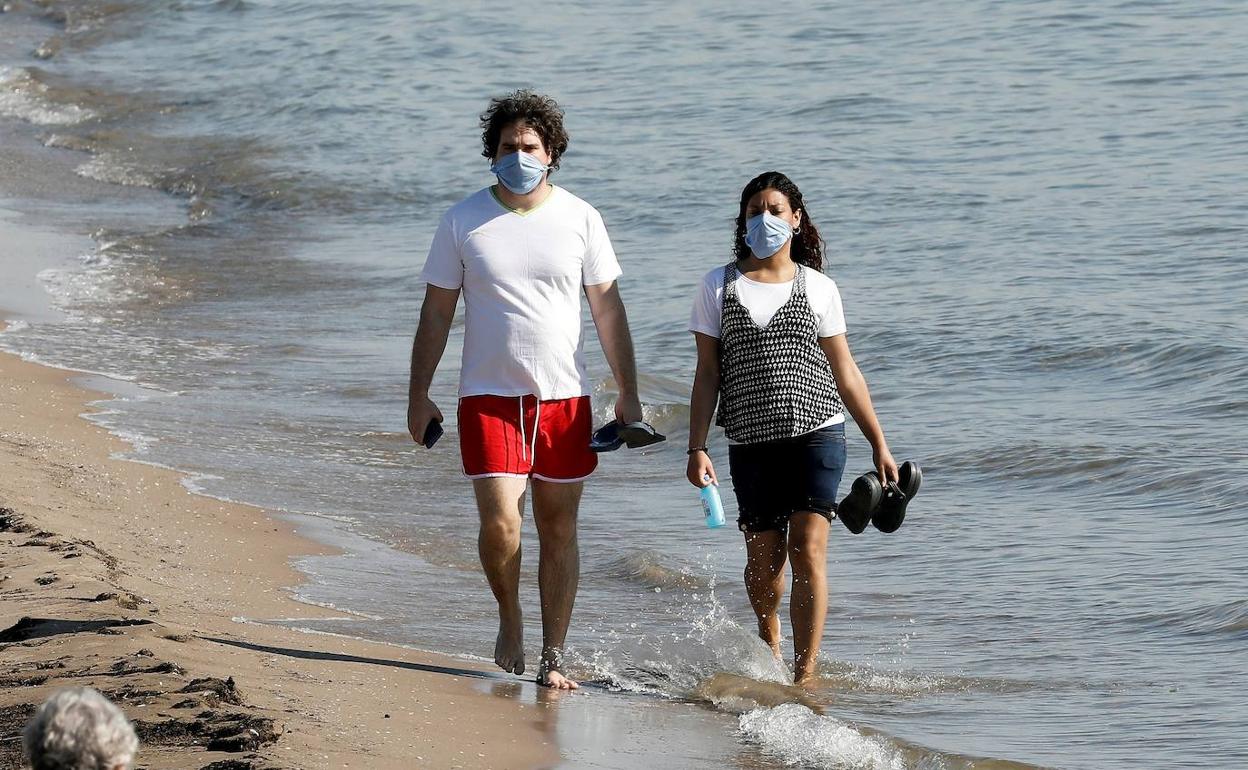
772	351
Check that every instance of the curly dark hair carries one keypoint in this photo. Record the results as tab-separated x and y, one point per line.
807	243
540	113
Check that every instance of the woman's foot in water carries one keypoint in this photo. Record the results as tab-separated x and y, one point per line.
805	674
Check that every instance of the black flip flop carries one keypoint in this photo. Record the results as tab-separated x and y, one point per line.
607	438
860	504
897	496
639	434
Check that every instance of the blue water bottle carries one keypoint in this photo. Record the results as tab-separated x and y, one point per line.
711	504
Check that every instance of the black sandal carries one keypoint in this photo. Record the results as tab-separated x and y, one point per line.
639	434
607	438
892	510
860	504
635	435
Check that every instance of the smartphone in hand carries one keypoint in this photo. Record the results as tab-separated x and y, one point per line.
432	433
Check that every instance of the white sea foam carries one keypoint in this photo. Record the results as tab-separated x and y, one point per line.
108	169
88	282
33	358
13	327
194	483
23	97
353	614
139	443
678	663
799	737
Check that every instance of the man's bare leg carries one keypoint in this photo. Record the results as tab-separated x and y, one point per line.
764	582
500	503
558	572
808	549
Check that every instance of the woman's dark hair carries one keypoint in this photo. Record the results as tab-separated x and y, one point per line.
807	244
538	112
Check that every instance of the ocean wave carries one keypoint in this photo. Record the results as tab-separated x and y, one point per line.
25	95
797	736
218	176
1153	356
78	17
1033	460
647	568
1229	618
855	107
350	613
401	438
13	326
1139	475
704	642
739	694
840	678
104	283
19	349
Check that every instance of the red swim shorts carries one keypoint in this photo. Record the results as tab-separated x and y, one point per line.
520	436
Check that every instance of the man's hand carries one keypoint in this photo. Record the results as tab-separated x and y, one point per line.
420	412
628	409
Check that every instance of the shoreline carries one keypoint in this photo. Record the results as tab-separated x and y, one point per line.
106	584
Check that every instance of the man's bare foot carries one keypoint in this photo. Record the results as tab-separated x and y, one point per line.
509	647
554	679
550	673
806	679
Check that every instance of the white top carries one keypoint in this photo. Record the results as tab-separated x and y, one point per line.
521	276
762	300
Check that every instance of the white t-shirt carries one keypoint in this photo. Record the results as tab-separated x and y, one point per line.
521	276
762	300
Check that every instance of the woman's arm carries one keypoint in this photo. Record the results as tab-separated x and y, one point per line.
853	388
702	403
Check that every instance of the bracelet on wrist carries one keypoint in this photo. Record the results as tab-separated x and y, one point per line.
691	450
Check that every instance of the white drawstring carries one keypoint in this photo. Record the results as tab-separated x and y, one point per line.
523	443
537	421
527	444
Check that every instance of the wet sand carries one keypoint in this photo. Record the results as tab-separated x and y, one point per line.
114	576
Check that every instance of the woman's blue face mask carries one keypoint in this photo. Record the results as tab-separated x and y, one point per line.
766	234
519	172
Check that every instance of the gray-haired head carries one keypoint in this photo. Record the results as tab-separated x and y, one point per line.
79	729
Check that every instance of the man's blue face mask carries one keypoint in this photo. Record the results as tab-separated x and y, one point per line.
519	172
766	234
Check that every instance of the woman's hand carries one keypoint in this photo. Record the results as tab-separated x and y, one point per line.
699	466
885	465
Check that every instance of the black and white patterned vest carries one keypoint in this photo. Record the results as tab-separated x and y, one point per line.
775	381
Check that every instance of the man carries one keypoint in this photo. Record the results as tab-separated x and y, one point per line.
522	251
79	729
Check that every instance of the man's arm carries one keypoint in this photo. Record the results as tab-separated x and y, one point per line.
611	321
436	315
